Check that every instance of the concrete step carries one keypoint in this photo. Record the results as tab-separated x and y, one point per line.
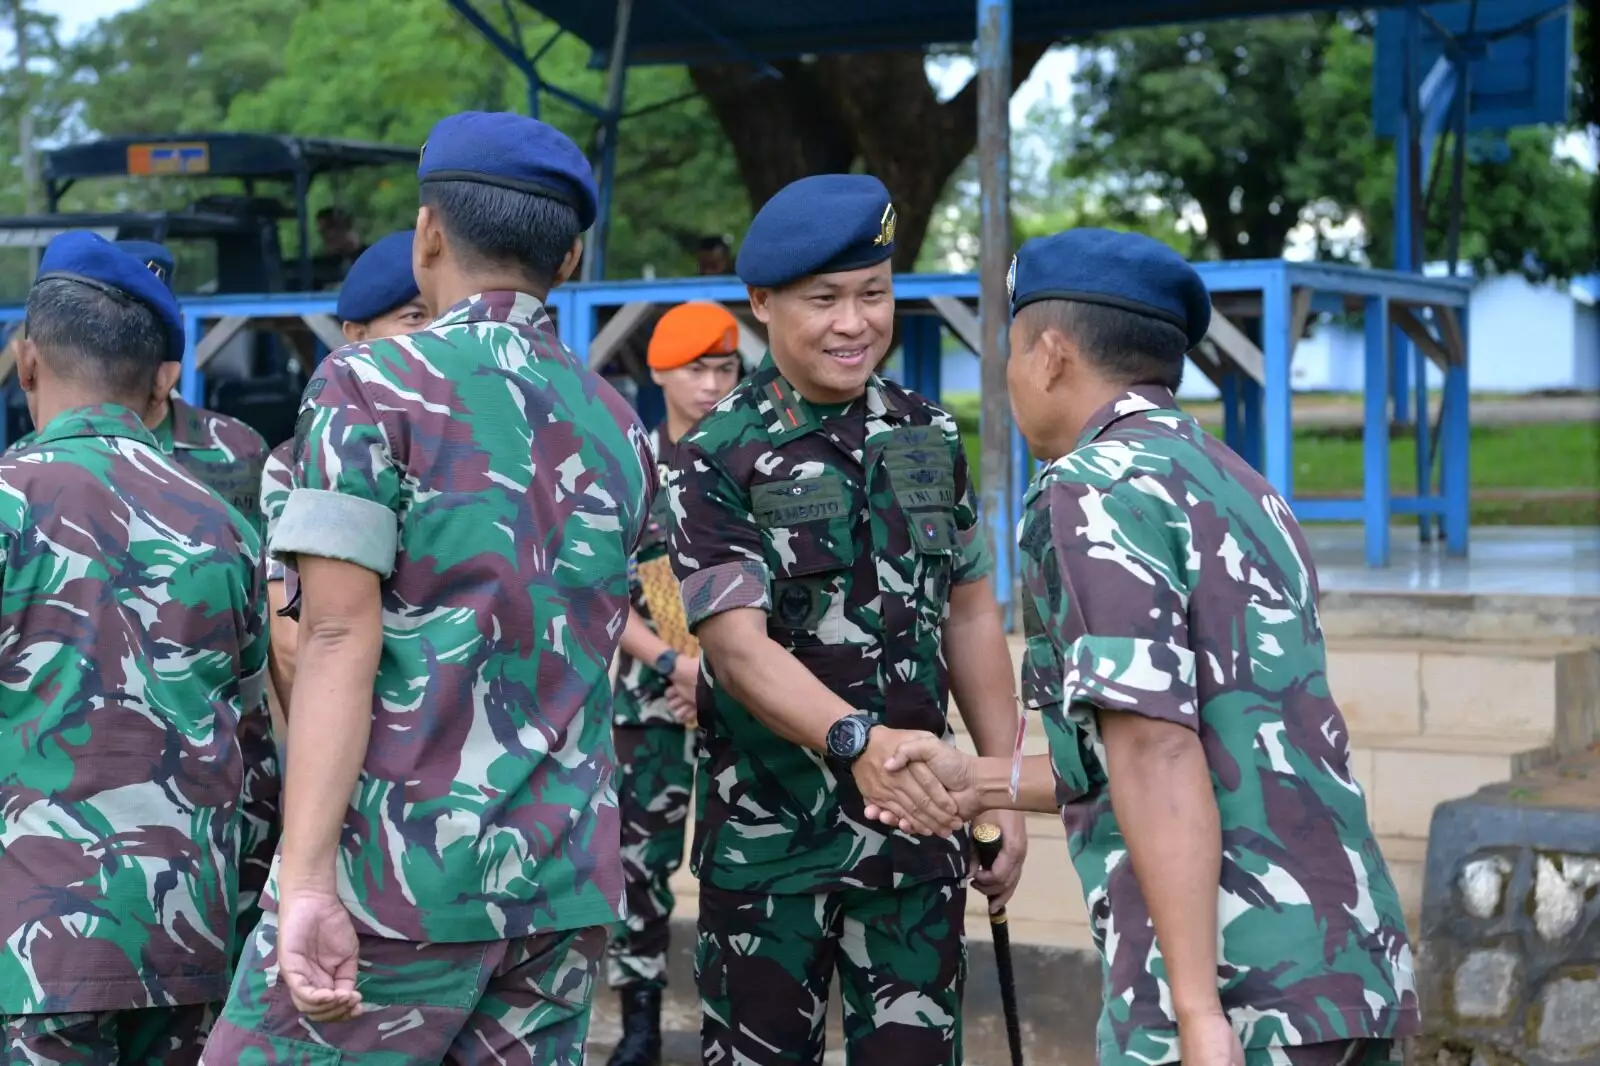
1545	693
1406	776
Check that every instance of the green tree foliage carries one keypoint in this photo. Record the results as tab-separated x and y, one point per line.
1265	124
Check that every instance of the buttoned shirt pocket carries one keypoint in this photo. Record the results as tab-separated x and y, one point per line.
808	526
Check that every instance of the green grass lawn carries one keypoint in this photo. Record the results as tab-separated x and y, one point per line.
1534	474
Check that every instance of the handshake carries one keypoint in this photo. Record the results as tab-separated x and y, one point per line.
914	782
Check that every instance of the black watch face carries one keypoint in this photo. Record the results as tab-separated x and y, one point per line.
847	738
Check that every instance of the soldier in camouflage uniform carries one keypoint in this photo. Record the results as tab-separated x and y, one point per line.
379	299
694	358
222	452
133	622
832	564
465	502
1235	889
227	456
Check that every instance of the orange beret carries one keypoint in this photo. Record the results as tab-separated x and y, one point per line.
690	331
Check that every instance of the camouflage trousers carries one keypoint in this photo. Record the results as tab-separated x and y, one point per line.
654	785
508	1002
764	964
153	1036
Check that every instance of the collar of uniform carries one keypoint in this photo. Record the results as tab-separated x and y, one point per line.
504	305
182	428
1138	399
97	420
790	415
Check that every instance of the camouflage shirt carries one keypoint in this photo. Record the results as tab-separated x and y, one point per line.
498	487
1166	578
848	526
223	452
641	692
277	477
133	625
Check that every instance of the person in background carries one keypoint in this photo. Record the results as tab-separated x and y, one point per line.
379	299
1174	649
694	358
714	257
133	629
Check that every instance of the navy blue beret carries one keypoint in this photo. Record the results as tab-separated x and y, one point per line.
155	258
513	152
90	259
818	225
379	280
1100	266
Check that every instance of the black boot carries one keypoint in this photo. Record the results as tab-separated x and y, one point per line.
641	1027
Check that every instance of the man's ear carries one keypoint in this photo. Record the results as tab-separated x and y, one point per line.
1058	359
27	364
569	265
760	304
428	243
354	332
167	377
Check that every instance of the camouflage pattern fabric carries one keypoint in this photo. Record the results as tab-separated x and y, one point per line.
902	967
132	616
849	526
155	1036
1166	578
517	1002
498	487
219	451
277	479
656	768
222	452
641	696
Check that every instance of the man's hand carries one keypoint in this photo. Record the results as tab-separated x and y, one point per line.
1209	1040
317	954
950	766
908	796
1000	880
685	678
685	711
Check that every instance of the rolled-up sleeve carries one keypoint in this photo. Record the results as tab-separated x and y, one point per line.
1124	556
346	497
717	548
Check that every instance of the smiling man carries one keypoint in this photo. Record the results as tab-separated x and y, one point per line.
832	564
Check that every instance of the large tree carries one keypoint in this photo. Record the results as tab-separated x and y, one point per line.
1257	126
877	110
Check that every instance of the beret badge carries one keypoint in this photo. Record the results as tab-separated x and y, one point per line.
886	227
1011	280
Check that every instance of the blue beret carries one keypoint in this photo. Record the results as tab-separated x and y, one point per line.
818	225
513	152
379	280
90	259
1101	266
155	258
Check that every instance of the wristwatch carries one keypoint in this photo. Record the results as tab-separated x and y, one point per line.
847	739
666	662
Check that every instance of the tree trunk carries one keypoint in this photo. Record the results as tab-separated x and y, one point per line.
824	115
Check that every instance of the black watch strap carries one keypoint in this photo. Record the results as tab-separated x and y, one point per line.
666	663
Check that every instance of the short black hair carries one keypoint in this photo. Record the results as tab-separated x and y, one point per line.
335	214
714	243
1126	347
103	339
492	226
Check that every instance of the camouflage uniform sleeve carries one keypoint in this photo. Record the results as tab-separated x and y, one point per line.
1125	558
275	487
717	548
975	562
346	495
262	786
